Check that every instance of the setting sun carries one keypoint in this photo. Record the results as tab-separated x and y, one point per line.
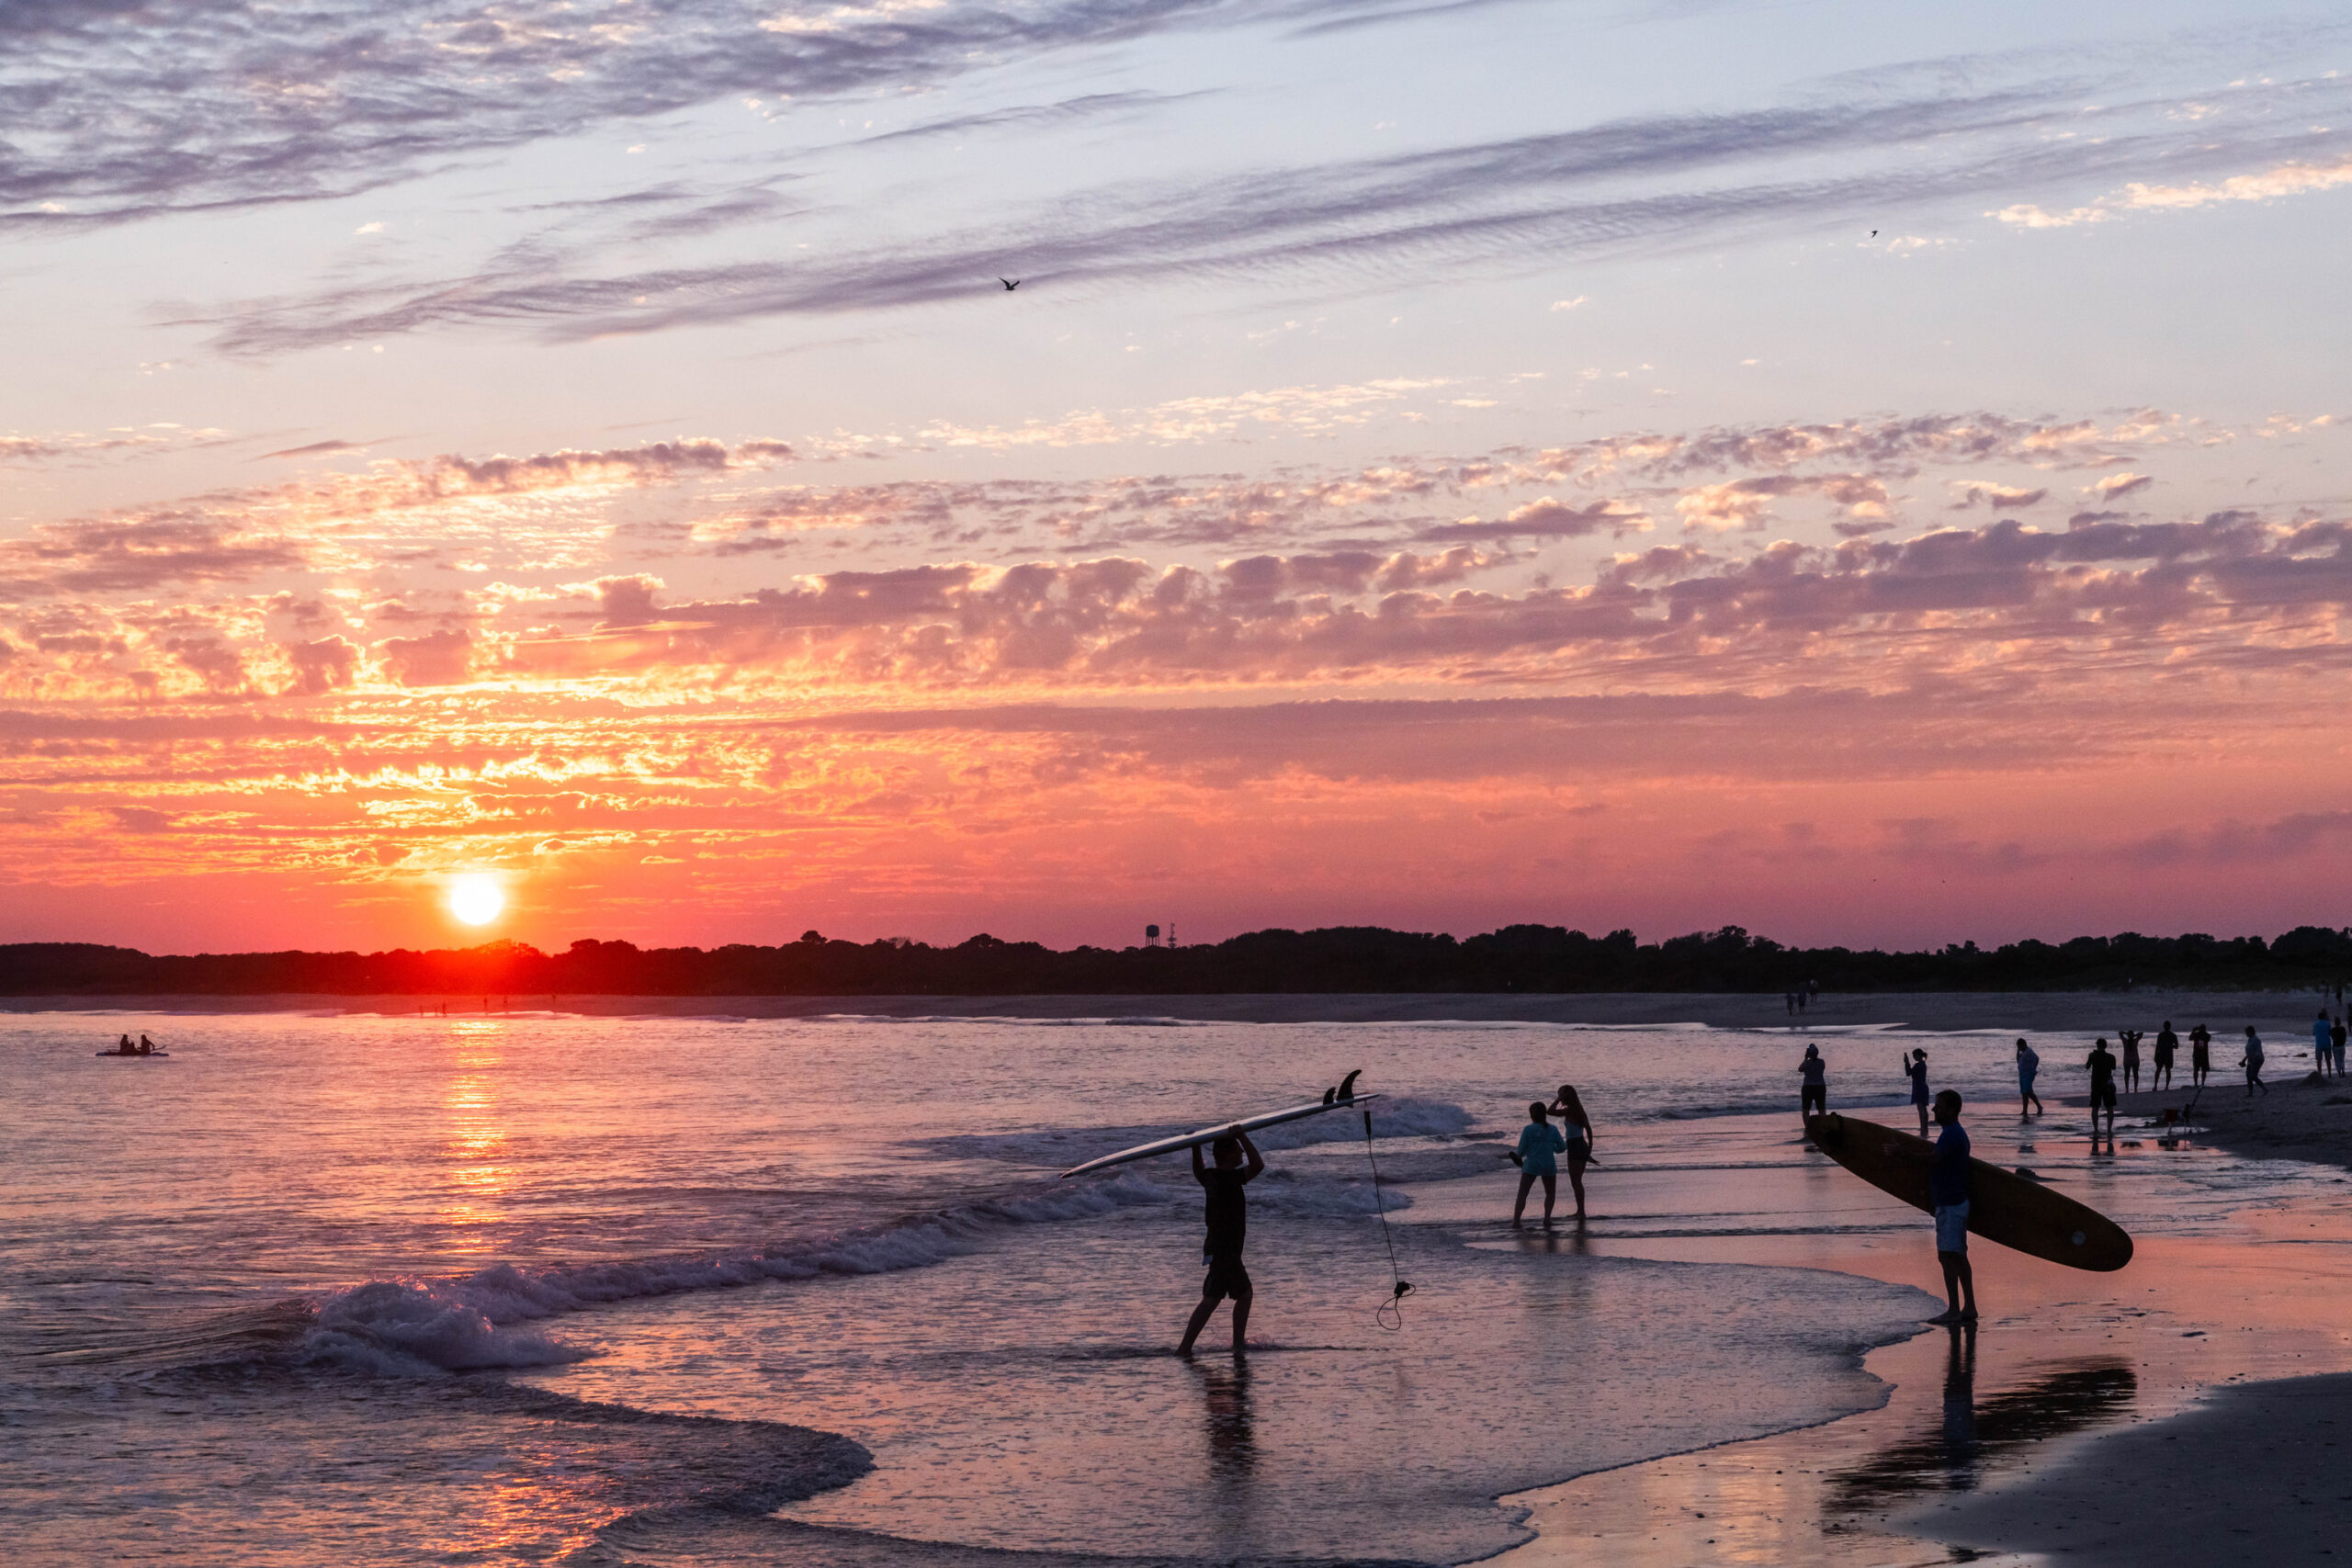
477	898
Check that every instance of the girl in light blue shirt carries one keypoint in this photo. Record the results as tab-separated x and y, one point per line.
1540	1146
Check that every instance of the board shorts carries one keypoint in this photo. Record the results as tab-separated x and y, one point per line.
1814	1096
1226	1278
2103	1095
1951	1228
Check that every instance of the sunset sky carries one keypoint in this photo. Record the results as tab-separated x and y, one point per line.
1871	472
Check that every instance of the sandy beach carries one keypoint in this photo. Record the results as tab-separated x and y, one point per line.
2028	1012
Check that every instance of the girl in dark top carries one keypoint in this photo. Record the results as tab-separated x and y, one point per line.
1916	1069
1575	1126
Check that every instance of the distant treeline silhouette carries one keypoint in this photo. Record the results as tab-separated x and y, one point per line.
1340	958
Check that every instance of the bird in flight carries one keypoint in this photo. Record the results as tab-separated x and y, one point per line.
1874	233
1010	284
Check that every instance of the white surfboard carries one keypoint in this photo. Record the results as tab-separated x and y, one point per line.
1183	1141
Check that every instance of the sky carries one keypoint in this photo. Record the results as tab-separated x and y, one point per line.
1876	473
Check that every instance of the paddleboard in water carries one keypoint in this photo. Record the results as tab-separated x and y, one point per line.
136	1055
1332	1101
2002	1206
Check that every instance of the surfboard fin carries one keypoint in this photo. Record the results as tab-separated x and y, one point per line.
1330	1095
1348	1084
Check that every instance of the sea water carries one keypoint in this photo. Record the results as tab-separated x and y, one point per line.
518	1288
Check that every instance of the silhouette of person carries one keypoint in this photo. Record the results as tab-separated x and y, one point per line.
2335	1039
1227	1212
1575	1126
2028	1064
2168	1047
2101	1062
2131	1038
1813	1090
2200	1056
2252	1063
2322	1047
1916	1069
1948	1193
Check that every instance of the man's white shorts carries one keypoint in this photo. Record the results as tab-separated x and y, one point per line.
1951	1228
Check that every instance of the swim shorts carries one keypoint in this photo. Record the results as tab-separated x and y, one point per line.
2103	1095
1951	1228
1226	1278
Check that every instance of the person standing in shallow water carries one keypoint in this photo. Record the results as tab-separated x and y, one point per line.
2168	1047
1916	1069
2252	1063
2131	1038
2102	1066
1539	1145
2028	1064
1238	1163
1575	1126
1947	1194
2201	1054
2336	1036
2322	1046
1813	1085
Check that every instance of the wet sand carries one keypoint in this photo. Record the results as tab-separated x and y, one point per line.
1995	1442
2258	1474
2278	1013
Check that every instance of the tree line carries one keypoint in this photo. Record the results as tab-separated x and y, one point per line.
1534	958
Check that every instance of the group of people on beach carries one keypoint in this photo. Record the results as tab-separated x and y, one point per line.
1542	1146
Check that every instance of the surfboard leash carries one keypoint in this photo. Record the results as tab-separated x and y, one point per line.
1390	1314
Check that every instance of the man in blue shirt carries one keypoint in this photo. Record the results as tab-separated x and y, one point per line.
1947	1194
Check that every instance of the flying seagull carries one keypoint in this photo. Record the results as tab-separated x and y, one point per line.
1874	233
1010	284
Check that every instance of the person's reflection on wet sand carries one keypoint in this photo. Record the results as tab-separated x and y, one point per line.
1960	1398
1972	1440
1233	1438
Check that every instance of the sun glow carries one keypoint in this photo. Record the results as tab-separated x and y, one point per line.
477	898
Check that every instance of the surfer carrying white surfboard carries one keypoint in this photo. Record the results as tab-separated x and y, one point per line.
1238	1163
1948	1196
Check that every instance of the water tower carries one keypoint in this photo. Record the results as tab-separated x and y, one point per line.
1151	936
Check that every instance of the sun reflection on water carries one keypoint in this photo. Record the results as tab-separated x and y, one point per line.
473	1148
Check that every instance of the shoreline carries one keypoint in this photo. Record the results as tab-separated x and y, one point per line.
2284	1013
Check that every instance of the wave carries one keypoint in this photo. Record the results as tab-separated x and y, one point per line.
484	1320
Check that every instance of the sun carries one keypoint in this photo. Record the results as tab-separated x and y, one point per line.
476	898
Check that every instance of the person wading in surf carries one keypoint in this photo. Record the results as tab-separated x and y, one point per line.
1813	1085
1539	1145
2101	1062
1228	1225
1575	1126
1948	1192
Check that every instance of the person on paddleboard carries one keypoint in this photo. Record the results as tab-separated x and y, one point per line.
2101	1062
1575	1126
1813	1085
1539	1145
1916	1068
1238	1163
1947	1194
2028	1064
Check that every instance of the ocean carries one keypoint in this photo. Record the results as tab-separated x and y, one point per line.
547	1289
